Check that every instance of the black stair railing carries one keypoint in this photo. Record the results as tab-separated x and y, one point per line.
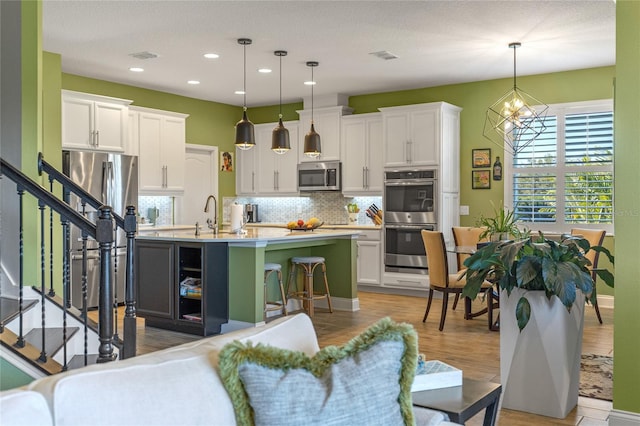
102	232
129	225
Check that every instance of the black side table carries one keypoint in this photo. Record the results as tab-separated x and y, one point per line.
463	402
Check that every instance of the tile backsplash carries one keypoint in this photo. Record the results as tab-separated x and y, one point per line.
329	207
164	204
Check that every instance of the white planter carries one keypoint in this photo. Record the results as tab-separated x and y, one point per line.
540	366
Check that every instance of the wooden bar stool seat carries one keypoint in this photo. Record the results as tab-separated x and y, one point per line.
307	294
277	305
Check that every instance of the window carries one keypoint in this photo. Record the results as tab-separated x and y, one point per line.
564	178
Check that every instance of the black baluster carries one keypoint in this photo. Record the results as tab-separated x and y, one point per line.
20	342
116	338
130	330
43	352
104	235
52	292
85	309
65	283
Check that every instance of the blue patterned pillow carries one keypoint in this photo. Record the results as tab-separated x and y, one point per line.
367	381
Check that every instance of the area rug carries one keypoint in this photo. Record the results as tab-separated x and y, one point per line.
596	376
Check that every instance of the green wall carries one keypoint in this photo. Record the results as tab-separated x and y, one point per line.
212	124
11	376
209	123
474	99
627	208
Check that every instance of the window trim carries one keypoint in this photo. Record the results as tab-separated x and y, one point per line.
562	109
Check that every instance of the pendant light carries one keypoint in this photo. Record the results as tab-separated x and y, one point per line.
245	138
280	136
312	139
516	119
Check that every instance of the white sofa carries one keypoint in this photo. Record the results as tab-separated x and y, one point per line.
175	386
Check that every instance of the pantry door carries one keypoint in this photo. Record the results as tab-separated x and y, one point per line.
200	181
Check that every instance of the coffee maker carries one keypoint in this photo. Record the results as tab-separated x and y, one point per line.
252	213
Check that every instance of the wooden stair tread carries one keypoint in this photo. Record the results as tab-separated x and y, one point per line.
30	353
53	338
71	310
10	308
77	361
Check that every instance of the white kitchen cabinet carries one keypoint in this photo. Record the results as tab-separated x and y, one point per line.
414	134
94	122
362	154
277	173
246	168
132	147
162	151
369	267
327	123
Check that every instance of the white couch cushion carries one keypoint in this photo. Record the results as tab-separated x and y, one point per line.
179	385
24	408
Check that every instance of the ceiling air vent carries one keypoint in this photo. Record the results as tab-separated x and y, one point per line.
144	55
383	54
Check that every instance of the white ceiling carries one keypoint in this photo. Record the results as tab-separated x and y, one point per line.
437	43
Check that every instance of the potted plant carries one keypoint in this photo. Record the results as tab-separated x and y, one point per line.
543	285
502	226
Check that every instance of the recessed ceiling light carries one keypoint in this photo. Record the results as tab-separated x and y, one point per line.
211	55
136	69
264	70
239	92
193	82
310	83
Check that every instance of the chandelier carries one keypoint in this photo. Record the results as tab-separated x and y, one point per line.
516	119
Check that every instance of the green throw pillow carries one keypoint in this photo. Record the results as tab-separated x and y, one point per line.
367	381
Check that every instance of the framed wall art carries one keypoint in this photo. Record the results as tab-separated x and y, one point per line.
481	179
481	157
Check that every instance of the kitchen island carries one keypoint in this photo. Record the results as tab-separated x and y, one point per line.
231	269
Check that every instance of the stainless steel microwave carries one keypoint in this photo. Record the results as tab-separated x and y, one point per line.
320	176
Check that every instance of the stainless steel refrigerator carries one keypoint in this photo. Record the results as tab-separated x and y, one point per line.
113	180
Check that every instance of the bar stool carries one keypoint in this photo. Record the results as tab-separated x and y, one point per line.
307	295
269	268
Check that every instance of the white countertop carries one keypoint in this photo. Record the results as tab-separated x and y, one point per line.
252	234
364	227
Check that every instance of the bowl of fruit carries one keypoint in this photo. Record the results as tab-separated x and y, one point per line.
301	225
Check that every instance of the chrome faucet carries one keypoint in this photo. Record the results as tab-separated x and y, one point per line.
212	225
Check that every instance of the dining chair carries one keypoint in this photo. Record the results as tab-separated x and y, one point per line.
595	238
466	236
439	277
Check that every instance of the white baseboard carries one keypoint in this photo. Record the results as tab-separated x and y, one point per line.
605	301
623	418
395	290
340	304
234	325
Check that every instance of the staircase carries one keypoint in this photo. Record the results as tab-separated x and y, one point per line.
40	332
60	356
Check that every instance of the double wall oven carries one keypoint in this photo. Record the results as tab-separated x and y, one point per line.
410	205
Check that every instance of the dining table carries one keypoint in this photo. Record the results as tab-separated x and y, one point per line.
494	325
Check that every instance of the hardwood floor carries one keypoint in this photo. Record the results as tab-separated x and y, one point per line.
467	345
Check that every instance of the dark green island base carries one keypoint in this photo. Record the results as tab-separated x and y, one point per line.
231	270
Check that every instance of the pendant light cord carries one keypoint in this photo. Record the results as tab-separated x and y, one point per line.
514	66
244	82
313	83
280	113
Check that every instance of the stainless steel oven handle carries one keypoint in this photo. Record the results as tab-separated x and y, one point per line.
429	227
410	182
